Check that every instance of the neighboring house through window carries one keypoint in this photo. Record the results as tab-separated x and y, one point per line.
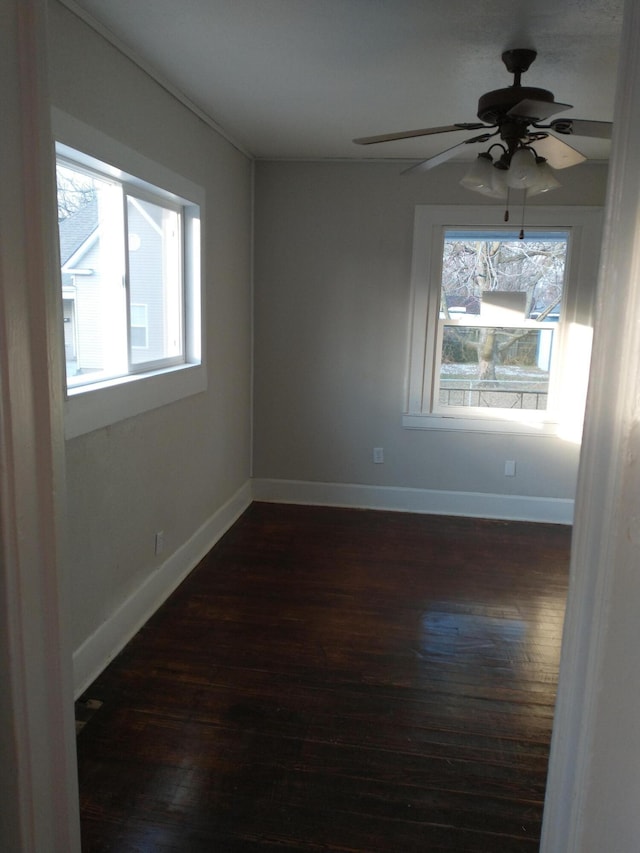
139	325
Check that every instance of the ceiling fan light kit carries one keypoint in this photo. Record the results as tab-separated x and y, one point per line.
528	151
525	171
480	174
544	180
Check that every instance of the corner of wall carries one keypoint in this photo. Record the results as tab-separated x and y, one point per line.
91	658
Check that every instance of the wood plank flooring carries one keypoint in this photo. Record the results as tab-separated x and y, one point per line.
335	679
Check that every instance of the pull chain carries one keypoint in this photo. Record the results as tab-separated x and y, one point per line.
524	206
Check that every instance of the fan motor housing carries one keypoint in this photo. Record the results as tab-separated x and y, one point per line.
493	106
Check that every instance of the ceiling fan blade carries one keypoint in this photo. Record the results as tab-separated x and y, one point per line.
557	153
582	127
445	155
537	110
408	134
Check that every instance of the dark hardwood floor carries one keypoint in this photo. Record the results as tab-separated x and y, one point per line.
332	679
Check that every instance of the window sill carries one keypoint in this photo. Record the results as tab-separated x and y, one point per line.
489	424
92	407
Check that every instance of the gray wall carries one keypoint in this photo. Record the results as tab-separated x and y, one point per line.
172	468
331	313
332	301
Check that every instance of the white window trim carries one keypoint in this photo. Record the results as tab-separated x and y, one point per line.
101	404
585	224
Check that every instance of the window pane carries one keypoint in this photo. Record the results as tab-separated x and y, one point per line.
495	367
477	261
92	267
501	283
155	281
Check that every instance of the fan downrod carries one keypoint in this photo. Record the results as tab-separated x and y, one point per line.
517	61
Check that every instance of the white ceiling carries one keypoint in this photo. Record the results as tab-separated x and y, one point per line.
300	78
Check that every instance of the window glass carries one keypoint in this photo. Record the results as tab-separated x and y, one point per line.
121	257
516	283
155	280
139	327
495	367
92	267
475	261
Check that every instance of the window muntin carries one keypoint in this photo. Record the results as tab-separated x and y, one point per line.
120	247
500	311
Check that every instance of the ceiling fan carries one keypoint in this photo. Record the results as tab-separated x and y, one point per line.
514	115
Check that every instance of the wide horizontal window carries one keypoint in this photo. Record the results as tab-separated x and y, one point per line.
130	271
122	270
501	321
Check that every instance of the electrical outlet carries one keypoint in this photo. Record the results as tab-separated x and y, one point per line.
378	455
159	542
510	468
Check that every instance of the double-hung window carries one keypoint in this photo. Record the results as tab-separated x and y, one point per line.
501	324
130	258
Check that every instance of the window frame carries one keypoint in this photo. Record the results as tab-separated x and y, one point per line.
98	404
584	225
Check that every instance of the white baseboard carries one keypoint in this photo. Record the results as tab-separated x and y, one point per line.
111	637
473	504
